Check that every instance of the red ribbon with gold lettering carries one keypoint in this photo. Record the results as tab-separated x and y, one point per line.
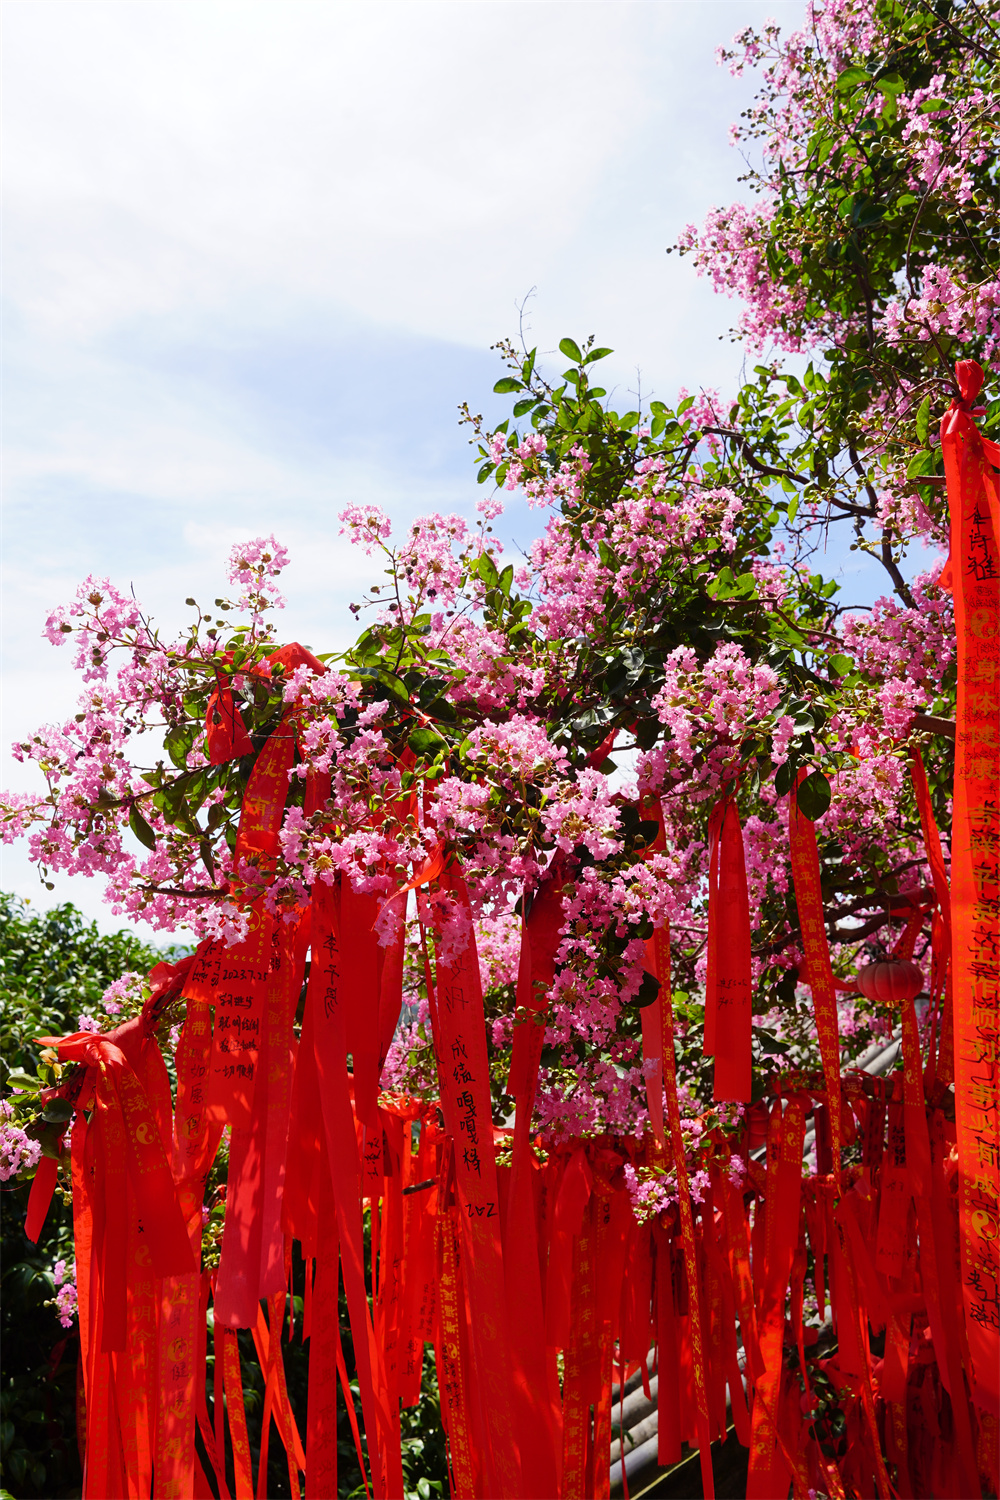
975	870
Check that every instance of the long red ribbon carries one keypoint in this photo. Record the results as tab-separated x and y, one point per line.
658	960
975	872
338	1121
463	1073
538	1416
784	1183
732	1001
809	901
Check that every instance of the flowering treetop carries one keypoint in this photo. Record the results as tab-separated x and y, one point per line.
671	613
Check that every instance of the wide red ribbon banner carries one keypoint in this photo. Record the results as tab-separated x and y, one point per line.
527	1270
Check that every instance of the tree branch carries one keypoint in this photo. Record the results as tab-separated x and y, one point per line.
933	725
744	446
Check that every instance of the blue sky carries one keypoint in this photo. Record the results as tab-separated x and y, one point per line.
255	256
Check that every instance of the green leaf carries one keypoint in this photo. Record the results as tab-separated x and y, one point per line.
141	828
571	350
922	420
648	990
851	77
426	741
785	776
723	586
484	473
28	1083
393	686
487	570
890	83
813	796
861	209
919	465
207	857
57	1110
177	744
842	665
507	383
595	354
769	1043
930	105
521	408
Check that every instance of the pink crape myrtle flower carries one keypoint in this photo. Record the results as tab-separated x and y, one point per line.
368	526
128	990
582	812
518	750
18	1153
252	566
66	1299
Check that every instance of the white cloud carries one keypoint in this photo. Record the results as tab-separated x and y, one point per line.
302	147
418	164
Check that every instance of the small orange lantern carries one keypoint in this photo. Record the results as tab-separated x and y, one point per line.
890	981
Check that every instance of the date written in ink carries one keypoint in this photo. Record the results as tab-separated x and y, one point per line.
481	1210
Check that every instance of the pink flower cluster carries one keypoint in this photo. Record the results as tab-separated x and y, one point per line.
948	305
66	1299
18	1153
98	615
516	751
125	993
731	248
367	525
719	703
252	567
898	644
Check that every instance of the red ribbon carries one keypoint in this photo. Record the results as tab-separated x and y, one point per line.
659	954
225	733
784	1179
975	870
729	992
809	900
463	1073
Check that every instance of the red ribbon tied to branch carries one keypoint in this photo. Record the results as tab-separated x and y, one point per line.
122	1101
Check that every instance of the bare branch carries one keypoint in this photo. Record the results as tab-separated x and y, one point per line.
744	446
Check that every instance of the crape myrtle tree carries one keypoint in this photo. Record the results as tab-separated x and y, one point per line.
670	632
